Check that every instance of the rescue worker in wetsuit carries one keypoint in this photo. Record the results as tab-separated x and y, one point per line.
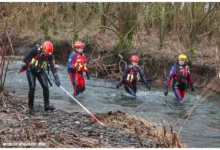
131	75
180	74
37	60
76	67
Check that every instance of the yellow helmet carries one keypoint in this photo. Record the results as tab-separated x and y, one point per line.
182	56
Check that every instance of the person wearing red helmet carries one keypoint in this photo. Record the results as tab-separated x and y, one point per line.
37	60
131	75
76	66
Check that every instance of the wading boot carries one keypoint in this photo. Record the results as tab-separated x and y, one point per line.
31	111
46	108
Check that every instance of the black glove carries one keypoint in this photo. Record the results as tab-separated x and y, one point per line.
148	87
36	69
166	91
57	81
24	67
87	75
118	85
192	87
70	70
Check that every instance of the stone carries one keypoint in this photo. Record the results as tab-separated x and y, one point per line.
77	122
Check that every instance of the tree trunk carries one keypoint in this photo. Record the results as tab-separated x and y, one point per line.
162	18
104	8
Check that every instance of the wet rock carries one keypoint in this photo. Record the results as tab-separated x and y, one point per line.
88	128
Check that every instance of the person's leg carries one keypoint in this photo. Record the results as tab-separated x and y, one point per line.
130	90
32	83
81	83
42	78
135	90
74	81
182	93
177	94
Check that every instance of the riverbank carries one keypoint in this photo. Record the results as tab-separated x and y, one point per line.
74	129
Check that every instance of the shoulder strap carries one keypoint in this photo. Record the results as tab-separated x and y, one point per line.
38	52
177	67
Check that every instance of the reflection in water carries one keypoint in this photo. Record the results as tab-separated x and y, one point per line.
101	96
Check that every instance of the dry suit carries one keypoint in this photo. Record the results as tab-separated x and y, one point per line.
36	63
129	78
76	67
181	76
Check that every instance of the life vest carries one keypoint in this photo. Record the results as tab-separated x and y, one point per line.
133	76
40	60
181	73
80	62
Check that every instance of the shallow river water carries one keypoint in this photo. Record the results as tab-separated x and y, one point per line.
202	129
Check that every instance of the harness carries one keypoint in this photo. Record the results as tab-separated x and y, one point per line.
133	76
40	60
80	62
181	73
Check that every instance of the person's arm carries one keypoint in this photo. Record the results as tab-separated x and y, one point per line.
85	65
86	69
52	65
54	70
70	61
189	78
28	57
123	76
170	77
143	78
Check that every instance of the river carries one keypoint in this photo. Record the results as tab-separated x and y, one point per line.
202	129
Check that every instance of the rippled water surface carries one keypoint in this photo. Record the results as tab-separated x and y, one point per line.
201	130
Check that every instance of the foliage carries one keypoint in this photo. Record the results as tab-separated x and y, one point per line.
185	20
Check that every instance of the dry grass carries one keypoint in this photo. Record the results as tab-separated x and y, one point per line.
146	129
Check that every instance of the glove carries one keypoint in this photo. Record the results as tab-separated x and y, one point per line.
148	87
87	75
57	81
36	69
24	67
192	87
69	70
166	91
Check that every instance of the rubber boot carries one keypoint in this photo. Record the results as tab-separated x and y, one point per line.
31	106
46	108
31	111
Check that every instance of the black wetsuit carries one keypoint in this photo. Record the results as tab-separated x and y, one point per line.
34	72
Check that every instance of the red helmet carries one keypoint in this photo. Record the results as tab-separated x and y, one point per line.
79	44
47	48
134	58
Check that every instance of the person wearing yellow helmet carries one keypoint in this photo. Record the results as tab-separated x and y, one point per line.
180	74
